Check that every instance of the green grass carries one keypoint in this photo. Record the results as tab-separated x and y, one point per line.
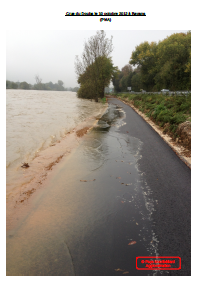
162	109
102	100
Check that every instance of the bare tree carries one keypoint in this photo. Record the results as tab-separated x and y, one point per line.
97	46
38	79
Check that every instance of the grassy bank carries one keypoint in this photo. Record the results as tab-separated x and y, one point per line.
166	111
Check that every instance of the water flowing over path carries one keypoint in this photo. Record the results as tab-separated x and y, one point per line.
122	194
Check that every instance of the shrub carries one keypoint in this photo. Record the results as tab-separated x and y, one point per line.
158	109
137	103
137	97
130	97
164	116
177	118
149	113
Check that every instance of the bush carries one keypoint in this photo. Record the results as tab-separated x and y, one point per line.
124	95
130	97
177	118
173	129
137	97
137	103
157	110
148	114
164	116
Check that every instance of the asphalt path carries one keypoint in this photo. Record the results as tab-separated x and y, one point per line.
170	181
122	194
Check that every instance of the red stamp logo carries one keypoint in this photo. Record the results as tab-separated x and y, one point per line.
158	263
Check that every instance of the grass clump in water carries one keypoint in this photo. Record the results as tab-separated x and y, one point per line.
103	100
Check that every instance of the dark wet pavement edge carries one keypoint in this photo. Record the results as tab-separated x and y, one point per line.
170	181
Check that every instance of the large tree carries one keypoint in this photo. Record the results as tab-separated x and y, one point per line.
122	79
174	62
166	64
144	57
96	77
95	68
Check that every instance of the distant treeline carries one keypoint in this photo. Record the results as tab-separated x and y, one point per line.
156	66
39	86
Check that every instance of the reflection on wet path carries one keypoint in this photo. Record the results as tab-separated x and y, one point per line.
95	206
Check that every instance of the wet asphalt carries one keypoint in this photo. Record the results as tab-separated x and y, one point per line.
170	181
123	194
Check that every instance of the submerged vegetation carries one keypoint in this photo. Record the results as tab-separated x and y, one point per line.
166	111
103	100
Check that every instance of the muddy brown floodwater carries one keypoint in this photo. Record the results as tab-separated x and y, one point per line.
94	217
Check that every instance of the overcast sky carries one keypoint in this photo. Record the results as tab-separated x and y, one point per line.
51	54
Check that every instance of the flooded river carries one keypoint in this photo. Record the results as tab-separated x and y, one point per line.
37	120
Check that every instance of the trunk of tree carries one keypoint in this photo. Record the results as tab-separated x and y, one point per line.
102	93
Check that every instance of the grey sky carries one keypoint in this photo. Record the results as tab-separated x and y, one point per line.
51	54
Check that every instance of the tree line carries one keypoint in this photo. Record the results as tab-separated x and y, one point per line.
39	85
154	66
